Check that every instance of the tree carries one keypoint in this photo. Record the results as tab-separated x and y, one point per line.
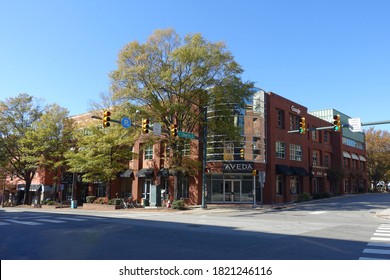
31	137
175	79
100	154
378	155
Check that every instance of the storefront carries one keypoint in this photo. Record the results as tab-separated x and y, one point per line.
234	184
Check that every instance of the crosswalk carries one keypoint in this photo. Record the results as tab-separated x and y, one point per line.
379	246
37	220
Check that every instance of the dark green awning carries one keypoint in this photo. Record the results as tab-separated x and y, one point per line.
283	169
145	173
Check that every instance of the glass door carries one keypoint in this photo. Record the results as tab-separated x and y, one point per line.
232	190
146	189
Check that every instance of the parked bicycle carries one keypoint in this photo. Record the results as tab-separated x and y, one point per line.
130	203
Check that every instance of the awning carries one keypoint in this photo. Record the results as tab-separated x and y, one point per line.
164	172
299	171
283	169
362	158
35	188
346	154
354	156
126	174
145	173
47	188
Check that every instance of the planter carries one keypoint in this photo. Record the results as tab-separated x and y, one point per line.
102	207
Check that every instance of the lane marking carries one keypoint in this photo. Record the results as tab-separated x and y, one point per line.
376	251
25	222
51	221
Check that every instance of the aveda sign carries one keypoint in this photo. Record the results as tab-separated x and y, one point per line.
238	167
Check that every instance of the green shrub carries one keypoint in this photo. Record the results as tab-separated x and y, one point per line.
178	204
90	199
115	201
303	197
101	200
48	202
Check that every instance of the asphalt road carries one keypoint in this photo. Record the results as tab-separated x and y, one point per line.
342	228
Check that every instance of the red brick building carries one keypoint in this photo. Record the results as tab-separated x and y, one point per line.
295	165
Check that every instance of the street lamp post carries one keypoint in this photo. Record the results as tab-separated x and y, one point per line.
204	161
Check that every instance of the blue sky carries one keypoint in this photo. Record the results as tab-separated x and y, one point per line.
320	54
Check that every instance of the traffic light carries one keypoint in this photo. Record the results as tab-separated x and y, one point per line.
106	118
173	130
145	126
336	123
302	125
255	172
242	153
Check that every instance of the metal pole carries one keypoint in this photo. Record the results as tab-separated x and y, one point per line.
374	123
261	191
254	190
204	162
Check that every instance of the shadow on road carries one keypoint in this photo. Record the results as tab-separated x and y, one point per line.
107	238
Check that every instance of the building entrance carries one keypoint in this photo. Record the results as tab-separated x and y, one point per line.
232	190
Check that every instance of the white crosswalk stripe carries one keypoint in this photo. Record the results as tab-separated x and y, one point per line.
379	246
73	219
50	221
29	223
37	220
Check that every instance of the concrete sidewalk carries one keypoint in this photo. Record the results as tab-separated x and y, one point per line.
383	214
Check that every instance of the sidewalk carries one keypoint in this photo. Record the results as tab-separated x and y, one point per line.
384	214
211	208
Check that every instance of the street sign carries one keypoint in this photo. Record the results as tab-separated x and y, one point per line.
356	124
186	135
156	128
126	122
262	177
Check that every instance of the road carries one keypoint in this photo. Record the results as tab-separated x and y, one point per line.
342	228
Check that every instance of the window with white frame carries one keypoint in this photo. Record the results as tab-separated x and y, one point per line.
149	152
316	158
295	152
280	149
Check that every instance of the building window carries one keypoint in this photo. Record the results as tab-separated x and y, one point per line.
316	158
279	185
326	161
326	136
185	147
149	152
280	150
280	118
185	186
314	135
295	152
294	122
